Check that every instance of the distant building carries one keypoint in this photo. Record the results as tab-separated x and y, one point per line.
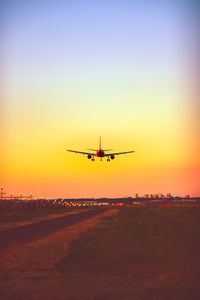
149	196
135	196
160	195
169	195
187	196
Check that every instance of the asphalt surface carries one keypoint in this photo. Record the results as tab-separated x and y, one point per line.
35	231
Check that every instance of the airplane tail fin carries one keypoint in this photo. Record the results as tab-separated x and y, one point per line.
100	143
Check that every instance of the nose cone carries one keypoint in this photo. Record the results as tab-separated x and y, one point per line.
100	153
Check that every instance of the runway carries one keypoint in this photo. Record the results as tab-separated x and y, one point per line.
28	233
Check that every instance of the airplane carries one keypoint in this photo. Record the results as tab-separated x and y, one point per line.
99	153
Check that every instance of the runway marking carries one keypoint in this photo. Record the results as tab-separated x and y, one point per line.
39	258
39	219
31	232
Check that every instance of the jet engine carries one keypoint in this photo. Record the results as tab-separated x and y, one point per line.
89	156
112	157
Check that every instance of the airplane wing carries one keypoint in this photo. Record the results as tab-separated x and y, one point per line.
86	153
109	154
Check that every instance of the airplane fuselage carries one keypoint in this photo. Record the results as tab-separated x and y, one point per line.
100	153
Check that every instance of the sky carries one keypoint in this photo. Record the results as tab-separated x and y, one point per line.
76	70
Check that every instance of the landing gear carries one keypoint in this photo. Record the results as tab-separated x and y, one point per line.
108	159
92	159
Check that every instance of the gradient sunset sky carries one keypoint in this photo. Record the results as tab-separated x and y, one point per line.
75	70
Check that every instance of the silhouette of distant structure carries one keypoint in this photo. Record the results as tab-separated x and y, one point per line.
136	196
12	197
2	192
